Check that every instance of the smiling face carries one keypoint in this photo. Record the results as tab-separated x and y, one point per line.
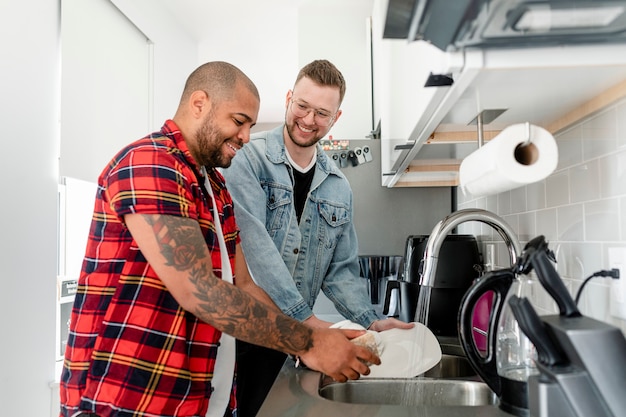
225	128
305	131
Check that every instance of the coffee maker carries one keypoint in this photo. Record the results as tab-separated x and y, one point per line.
460	263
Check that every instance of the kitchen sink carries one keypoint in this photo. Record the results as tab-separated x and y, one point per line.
452	366
420	391
452	382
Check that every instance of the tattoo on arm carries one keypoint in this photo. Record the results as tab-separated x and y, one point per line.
218	303
178	243
241	315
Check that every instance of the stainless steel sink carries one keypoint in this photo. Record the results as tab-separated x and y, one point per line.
452	382
419	391
452	366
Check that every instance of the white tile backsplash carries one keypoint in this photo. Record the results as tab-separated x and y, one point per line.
612	170
526	225
583	182
580	208
570	145
569	222
518	200
546	224
557	189
600	134
536	196
504	203
602	220
621	124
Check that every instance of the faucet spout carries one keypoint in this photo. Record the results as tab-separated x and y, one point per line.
436	239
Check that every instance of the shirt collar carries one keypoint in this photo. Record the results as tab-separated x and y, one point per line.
276	152
172	131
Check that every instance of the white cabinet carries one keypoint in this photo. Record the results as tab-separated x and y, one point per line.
400	71
437	125
540	85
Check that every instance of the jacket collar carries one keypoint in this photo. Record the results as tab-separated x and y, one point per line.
275	152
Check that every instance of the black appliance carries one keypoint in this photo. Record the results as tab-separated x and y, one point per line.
455	24
459	264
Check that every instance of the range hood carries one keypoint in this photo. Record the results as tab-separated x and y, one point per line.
547	62
455	24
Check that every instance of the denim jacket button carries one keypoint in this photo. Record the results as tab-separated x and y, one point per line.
296	250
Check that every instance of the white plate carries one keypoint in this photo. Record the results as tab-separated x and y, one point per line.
406	353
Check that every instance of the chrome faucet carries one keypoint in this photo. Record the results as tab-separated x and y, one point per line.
438	235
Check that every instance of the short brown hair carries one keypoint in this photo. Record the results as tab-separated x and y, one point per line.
323	72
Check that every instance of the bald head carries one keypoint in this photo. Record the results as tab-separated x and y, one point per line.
219	80
218	107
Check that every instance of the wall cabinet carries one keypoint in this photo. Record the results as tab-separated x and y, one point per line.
427	131
400	71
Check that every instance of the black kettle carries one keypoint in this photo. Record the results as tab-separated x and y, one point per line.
508	379
509	358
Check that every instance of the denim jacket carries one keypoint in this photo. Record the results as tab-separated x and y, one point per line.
292	262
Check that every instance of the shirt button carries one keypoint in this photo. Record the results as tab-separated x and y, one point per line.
296	250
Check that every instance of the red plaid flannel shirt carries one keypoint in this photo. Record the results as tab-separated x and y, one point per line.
132	350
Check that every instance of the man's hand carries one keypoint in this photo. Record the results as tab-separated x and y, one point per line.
390	323
334	355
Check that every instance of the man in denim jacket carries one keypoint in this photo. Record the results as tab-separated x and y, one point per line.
294	209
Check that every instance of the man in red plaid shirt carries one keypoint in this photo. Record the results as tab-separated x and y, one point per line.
153	298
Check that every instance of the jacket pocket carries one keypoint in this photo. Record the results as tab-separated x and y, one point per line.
278	204
335	216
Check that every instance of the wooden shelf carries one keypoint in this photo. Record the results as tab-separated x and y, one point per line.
432	172
461	137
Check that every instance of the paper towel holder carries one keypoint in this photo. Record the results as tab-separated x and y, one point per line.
526	153
485	117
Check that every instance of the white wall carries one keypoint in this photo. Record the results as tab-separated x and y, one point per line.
249	40
30	108
580	208
105	86
175	54
339	32
283	39
29	104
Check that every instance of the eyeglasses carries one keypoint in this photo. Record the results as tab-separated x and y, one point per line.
321	117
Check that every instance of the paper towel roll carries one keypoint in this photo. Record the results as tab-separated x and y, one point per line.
509	161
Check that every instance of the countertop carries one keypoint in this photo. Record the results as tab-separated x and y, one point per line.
295	394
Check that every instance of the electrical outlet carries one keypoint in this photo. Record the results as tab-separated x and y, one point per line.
617	259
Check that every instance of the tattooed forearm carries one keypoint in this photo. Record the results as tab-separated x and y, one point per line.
178	245
240	315
219	303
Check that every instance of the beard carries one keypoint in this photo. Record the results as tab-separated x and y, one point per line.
303	144
209	142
